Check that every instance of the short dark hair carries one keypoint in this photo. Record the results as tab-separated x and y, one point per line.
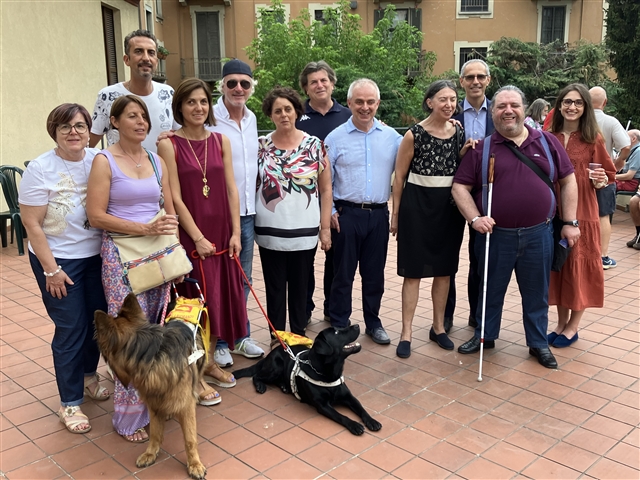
186	88
121	103
433	89
282	92
138	33
64	114
313	67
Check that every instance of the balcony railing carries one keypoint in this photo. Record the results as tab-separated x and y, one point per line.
421	66
207	69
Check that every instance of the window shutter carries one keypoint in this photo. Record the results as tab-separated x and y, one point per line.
415	18
377	16
110	45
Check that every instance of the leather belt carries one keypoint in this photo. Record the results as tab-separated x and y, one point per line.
364	206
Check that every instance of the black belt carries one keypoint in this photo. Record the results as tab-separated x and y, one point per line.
364	206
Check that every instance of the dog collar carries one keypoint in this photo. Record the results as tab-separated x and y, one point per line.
197	353
298	372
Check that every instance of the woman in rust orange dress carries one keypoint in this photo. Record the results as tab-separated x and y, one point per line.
580	283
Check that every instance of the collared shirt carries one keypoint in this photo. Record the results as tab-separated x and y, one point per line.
319	125
613	132
244	152
633	161
362	162
475	122
520	197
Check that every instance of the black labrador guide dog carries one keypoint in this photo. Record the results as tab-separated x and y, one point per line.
317	375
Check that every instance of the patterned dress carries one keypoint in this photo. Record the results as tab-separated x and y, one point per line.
430	226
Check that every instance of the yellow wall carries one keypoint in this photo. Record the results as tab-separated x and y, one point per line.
52	53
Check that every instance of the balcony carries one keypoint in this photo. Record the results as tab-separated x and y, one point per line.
207	69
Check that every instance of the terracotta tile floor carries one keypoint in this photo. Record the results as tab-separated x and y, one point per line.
522	420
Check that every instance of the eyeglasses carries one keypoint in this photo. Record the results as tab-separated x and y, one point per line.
245	84
80	127
567	102
471	78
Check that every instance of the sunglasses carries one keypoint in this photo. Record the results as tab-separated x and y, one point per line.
470	78
567	102
245	84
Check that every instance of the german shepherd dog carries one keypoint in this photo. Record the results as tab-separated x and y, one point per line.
323	363
154	359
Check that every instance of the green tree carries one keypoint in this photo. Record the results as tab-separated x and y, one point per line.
623	41
390	55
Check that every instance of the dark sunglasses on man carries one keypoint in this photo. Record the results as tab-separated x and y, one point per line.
245	84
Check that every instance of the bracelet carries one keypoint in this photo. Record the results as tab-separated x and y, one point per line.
58	270
198	239
474	219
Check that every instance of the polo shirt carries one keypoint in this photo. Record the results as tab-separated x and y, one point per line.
319	125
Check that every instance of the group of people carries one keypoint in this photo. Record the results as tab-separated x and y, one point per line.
322	176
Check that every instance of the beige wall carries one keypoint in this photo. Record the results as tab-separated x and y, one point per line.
52	53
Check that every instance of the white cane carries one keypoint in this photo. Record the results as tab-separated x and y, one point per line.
486	263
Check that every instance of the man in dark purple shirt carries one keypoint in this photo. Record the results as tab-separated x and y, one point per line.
521	231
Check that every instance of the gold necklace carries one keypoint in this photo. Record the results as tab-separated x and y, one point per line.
205	188
138	163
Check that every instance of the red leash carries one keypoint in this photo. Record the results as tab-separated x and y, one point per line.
194	255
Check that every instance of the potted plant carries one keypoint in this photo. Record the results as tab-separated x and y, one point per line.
162	52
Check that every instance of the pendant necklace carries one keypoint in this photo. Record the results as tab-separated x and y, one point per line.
203	169
138	163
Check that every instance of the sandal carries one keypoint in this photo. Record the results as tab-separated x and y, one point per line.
207	391
141	432
74	420
93	389
222	379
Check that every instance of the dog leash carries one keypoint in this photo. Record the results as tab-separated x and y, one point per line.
194	255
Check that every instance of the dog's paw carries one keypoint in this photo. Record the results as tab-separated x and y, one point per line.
356	428
197	471
146	459
372	424
260	387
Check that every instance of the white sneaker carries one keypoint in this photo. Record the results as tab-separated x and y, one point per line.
248	348
222	357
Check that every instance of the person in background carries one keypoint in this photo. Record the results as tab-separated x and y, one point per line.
64	253
627	180
536	113
123	196
634	210
292	173
580	283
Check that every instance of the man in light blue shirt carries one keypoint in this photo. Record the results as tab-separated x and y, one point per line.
362	153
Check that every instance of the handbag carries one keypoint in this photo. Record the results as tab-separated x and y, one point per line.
151	260
560	249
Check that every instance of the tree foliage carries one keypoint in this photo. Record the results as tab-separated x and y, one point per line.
387	55
623	41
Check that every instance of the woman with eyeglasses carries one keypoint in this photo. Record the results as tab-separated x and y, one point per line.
64	252
580	283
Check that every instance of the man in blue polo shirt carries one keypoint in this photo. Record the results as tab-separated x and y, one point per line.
362	153
322	114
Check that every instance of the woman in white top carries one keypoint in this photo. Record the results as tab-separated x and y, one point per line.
64	252
292	172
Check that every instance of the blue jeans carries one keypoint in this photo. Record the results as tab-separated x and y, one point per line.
75	352
247	238
528	251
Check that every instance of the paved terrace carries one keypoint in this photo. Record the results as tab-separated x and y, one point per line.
522	421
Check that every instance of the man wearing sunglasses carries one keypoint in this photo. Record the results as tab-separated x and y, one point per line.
475	117
238	123
322	114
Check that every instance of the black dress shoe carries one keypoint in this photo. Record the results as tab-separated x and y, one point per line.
473	345
448	323
441	339
472	322
544	356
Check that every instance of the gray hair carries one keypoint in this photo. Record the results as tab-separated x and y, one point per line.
313	67
475	60
509	88
253	85
361	82
536	108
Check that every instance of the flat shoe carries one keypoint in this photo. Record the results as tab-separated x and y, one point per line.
562	341
551	337
130	438
72	418
207	391
441	339
544	356
93	389
223	379
404	349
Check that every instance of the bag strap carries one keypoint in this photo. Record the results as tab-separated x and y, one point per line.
155	170
485	168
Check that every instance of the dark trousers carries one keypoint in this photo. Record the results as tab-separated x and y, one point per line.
75	352
327	282
473	282
286	275
362	242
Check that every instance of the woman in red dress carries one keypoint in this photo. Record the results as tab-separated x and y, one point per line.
580	283
206	200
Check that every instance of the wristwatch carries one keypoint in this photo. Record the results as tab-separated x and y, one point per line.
573	223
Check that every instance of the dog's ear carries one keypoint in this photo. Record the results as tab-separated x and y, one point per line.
321	346
99	317
131	308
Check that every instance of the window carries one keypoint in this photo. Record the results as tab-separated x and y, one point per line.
553	20
474	6
413	16
148	16
159	9
264	12
207	25
110	45
465	51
